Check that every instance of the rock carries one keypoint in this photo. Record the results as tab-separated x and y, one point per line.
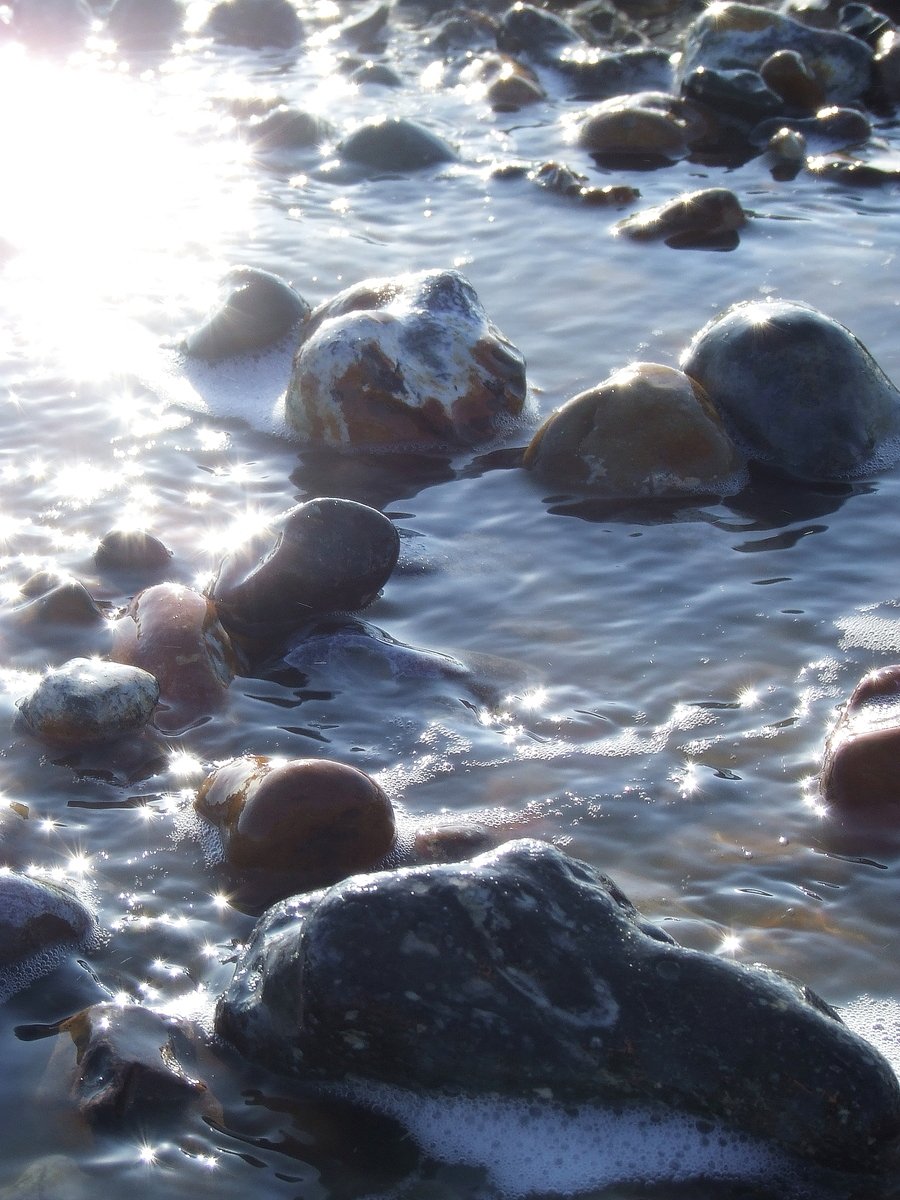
173	632
525	29
859	772
376	75
735	36
395	144
524	972
354	647
645	431
131	550
786	153
595	74
89	701
329	555
649	126
829	129
294	826
366	29
256	24
508	84
738	96
697	219
787	74
558	178
411	361
53	1177
852	172
130	1066
40	923
864	22
145	24
887	67
51	601
796	390
466	29
282	130
259	310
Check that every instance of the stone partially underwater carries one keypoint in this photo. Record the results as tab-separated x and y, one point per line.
524	973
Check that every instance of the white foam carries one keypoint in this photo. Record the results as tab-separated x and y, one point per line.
878	1021
539	1147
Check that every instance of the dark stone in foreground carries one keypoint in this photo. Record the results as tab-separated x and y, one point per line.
523	970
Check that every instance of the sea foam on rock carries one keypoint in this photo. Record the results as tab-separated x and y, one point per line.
40	922
523	972
797	390
411	361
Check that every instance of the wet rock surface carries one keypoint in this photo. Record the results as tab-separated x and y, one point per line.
524	970
329	555
412	361
40	922
647	430
131	550
259	309
796	389
88	701
710	218
859	772
256	24
395	144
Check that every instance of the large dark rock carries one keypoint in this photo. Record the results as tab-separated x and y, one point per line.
524	970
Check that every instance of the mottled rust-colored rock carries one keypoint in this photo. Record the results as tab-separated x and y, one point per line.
861	768
412	361
293	826
174	633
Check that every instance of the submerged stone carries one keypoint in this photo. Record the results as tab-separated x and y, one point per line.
282	130
131	550
38	918
797	390
695	219
174	632
411	361
256	24
645	431
734	36
523	971
90	701
259	310
293	826
329	555
859	772
145	24
395	144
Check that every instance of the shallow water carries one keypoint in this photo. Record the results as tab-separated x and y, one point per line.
668	674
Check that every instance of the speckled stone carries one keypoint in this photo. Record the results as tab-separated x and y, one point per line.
407	362
645	431
859	771
174	632
523	970
88	700
734	36
797	390
259	309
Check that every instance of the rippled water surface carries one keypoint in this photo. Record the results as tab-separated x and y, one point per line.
657	682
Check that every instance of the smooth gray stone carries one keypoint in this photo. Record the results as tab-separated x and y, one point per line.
395	144
259	310
524	970
797	390
256	24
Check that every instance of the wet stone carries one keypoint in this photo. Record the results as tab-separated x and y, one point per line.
375	75
145	24
51	601
523	971
786	153
563	181
366	29
645	431
88	700
284	129
648	126
735	36
467	29
739	95
864	22
508	84
535	32
294	826
131	550
131	1066
411	361
329	555
828	129
709	217
256	24
395	144
174	633
852	172
595	74
887	67
787	74
859	771
259	309
38	918
797	390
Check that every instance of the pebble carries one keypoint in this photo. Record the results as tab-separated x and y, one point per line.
646	431
695	219
259	310
90	701
131	550
256	24
647	126
859	771
408	362
395	144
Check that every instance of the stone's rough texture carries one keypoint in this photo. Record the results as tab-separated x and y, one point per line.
859	772
690	220
131	550
734	36
173	632
329	555
647	430
796	390
129	1069
395	144
259	310
87	701
524	970
145	24
255	23
295	826
650	125
39	917
411	361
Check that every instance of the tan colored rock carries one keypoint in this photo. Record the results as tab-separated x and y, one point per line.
860	769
